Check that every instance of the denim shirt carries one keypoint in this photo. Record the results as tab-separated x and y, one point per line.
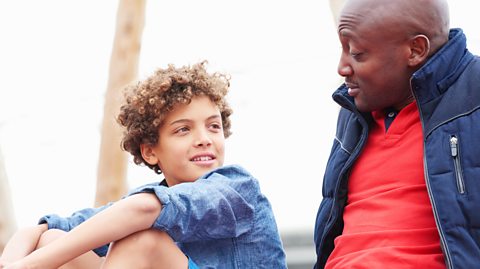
222	220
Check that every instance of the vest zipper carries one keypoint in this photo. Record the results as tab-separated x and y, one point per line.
443	242
454	147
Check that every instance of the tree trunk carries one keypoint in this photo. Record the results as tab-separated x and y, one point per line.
7	219
112	166
336	6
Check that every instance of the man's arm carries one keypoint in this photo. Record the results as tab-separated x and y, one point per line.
127	216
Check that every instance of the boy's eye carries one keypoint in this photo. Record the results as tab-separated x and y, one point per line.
216	126
182	130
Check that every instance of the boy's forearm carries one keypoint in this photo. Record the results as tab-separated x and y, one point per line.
127	216
23	242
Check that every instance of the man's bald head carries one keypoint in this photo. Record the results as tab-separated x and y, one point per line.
401	18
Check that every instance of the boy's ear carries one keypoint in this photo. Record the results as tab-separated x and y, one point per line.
148	154
419	50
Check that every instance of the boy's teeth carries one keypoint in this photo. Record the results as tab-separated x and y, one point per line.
203	158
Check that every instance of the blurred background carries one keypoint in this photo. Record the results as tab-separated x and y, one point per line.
55	58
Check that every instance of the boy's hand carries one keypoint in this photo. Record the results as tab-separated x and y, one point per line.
3	263
15	265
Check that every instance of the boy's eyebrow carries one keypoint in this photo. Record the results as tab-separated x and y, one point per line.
188	120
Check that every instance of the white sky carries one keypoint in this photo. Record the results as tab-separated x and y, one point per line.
282	56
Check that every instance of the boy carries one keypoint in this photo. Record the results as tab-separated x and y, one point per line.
202	214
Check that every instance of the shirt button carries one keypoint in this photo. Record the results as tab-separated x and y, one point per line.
391	114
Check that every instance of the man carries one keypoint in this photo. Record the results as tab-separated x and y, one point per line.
402	184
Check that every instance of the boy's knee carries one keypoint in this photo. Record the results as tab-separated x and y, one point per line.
49	236
145	249
151	239
147	244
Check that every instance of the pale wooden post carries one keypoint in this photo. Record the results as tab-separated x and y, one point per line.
335	7
112	165
7	218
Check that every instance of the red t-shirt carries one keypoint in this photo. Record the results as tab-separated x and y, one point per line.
388	217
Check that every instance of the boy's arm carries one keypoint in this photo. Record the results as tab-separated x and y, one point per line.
127	216
23	242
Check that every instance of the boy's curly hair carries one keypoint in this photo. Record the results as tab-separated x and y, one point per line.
148	102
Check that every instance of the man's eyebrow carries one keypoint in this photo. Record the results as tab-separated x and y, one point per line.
344	31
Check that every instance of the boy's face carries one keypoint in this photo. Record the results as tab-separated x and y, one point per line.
191	142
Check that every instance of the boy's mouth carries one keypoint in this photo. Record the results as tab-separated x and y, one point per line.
203	157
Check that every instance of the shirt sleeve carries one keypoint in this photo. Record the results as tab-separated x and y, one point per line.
218	205
68	223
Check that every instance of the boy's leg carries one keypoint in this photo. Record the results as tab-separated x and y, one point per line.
150	249
85	261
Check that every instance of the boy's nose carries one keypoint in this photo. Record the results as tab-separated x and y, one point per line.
203	139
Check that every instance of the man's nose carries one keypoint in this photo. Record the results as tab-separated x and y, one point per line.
344	68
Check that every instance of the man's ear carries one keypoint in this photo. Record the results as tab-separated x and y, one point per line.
419	50
148	154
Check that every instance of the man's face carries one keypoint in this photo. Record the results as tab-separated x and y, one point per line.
374	62
191	141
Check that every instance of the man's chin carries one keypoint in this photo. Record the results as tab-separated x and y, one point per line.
362	107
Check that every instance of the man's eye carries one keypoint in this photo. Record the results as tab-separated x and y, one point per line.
356	55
